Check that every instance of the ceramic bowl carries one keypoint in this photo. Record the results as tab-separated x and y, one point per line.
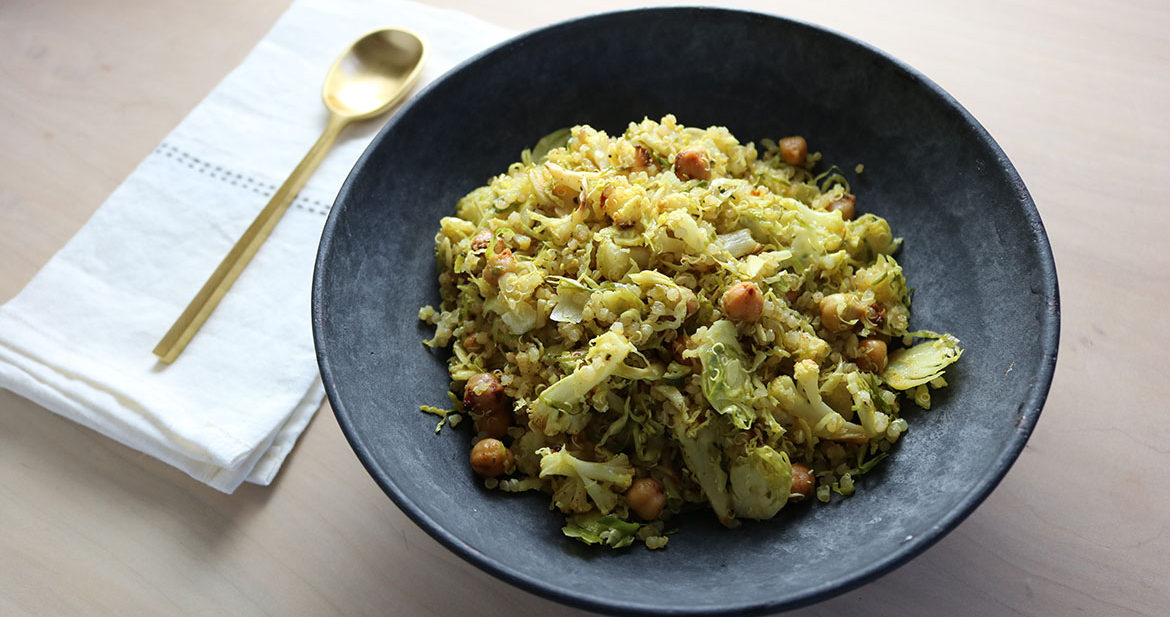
975	252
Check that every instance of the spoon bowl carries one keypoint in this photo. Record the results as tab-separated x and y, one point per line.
374	73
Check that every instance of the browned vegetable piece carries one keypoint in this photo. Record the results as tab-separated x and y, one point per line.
876	315
500	264
837	311
490	458
692	164
871	355
794	150
691	299
643	159
743	302
678	347
480	240
846	205
646	498
804	483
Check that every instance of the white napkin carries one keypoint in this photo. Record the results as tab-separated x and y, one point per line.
78	339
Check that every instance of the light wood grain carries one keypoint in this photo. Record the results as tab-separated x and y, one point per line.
1076	92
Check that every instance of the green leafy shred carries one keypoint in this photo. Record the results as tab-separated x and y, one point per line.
550	142
867	465
450	417
608	530
726	379
914	366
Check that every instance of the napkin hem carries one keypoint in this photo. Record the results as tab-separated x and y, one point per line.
20	381
265	470
87	395
259	466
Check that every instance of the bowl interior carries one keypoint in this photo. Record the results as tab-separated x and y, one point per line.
974	251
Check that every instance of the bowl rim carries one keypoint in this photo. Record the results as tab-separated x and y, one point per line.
1029	409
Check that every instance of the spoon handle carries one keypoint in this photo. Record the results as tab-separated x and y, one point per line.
185	327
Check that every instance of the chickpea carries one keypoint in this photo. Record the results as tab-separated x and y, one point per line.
692	163
490	458
493	423
490	409
846	205
804	483
837	312
794	150
646	498
582	447
484	393
871	355
743	302
501	264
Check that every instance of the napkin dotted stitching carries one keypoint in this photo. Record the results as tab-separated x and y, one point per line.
217	172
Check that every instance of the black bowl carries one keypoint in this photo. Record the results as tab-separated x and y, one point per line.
975	251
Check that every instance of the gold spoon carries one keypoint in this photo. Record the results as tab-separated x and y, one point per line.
365	81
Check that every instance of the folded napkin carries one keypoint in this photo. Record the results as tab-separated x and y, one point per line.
78	339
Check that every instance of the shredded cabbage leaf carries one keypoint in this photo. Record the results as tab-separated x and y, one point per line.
918	365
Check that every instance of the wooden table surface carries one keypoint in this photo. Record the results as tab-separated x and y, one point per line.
1076	92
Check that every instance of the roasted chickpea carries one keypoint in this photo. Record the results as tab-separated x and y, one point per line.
502	263
692	163
794	150
493	423
871	355
804	483
837	312
743	302
646	498
846	205
490	458
490	409
582	447
484	393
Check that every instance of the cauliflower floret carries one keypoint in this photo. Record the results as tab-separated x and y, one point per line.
873	421
803	400
602	482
